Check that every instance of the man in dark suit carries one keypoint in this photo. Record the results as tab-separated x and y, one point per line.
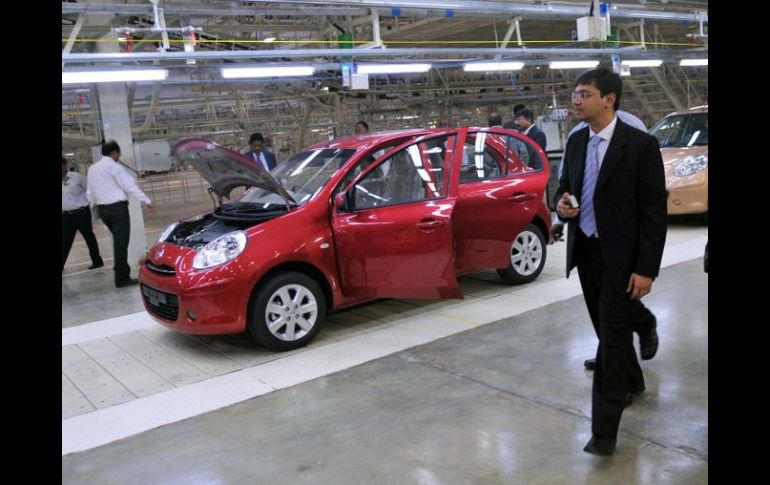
616	239
263	157
524	121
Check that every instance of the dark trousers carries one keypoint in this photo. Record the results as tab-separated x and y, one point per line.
71	223
615	317
115	217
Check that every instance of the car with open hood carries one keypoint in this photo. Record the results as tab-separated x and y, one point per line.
684	145
399	214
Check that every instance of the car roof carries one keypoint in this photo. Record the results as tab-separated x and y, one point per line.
365	141
695	109
358	141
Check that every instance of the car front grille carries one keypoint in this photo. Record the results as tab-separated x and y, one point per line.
162	269
159	303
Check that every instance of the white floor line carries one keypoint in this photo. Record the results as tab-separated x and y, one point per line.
103	426
106	328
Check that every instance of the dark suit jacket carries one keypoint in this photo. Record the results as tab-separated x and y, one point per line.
538	135
629	201
269	157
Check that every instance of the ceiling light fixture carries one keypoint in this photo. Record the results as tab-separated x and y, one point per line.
694	62
125	75
274	71
573	64
493	66
642	63
392	68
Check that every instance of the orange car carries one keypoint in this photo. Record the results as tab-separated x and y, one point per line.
684	145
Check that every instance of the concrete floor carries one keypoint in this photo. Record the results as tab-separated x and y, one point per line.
508	402
505	402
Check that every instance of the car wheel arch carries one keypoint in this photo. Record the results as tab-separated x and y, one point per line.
299	267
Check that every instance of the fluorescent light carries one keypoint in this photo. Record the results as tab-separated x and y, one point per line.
70	154
643	63
493	66
275	71
573	64
392	68
269	39
113	76
694	62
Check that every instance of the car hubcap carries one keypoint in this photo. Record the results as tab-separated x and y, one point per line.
526	253
291	312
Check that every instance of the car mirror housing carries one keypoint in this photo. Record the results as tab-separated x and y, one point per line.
341	202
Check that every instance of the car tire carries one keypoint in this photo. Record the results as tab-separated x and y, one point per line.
527	255
287	311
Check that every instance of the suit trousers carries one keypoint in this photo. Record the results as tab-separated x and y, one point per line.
72	222
613	315
115	217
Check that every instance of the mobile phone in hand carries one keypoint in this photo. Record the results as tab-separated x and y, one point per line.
573	202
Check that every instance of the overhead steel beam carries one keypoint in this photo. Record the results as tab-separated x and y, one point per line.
386	8
172	9
509	8
362	53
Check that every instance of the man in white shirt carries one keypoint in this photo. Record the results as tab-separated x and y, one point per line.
76	216
109	186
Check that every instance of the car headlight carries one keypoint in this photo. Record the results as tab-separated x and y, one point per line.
220	250
167	232
691	165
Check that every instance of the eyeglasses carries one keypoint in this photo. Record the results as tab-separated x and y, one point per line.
583	95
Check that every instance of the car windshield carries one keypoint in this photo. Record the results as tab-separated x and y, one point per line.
682	130
302	175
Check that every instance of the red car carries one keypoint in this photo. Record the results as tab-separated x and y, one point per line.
389	215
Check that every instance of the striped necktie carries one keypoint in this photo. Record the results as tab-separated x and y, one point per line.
591	173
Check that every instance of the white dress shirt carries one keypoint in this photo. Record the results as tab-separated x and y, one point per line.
261	158
108	182
73	192
606	136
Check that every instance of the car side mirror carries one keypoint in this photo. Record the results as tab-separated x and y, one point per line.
342	202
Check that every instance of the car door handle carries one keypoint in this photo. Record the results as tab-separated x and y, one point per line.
522	197
430	224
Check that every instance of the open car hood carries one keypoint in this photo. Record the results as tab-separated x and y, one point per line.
226	169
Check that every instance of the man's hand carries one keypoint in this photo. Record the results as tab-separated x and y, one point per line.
639	286
563	208
151	207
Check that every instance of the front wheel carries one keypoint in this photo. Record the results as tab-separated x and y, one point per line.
527	256
287	312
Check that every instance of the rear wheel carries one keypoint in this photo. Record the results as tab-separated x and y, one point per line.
526	255
287	312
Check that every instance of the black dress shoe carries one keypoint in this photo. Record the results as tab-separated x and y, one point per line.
648	345
600	446
96	265
128	282
589	364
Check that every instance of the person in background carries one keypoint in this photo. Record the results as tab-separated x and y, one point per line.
525	120
76	216
109	186
495	120
361	128
444	123
265	158
616	240
511	125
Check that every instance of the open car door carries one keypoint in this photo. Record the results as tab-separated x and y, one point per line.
393	233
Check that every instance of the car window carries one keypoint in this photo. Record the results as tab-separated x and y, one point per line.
490	155
416	172
365	162
682	130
